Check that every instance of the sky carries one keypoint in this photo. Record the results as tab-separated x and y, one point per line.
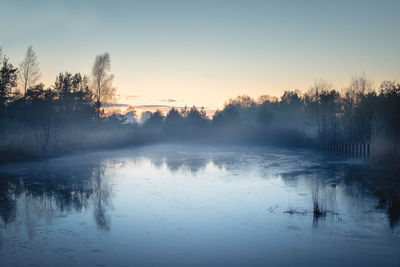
204	52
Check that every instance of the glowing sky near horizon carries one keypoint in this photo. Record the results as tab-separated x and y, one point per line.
204	52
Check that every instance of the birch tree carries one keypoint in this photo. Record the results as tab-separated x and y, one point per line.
29	71
102	80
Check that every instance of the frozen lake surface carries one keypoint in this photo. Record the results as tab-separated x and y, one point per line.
176	205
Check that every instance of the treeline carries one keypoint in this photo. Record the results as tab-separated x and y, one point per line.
37	121
358	114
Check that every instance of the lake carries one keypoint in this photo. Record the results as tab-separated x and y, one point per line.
188	205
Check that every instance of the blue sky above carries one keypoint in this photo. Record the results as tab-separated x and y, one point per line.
203	52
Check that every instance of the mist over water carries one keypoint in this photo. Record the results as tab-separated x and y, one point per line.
175	205
199	133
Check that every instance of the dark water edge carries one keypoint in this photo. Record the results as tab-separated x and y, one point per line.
180	205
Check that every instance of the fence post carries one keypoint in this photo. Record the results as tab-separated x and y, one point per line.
356	150
362	150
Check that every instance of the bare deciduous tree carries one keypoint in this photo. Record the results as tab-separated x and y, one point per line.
29	72
102	80
360	86
314	98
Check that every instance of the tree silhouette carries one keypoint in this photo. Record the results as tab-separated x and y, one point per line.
173	121
8	81
102	80
155	122
29	72
66	116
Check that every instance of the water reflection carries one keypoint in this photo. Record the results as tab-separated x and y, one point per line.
44	192
58	188
381	186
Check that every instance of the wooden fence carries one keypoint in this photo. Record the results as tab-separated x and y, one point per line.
352	150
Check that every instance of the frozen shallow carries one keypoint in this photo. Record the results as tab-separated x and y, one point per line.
175	205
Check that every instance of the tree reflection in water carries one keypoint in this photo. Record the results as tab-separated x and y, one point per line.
48	190
26	199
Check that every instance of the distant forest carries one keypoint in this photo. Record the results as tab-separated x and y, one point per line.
38	121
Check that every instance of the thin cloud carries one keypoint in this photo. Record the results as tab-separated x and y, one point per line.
128	96
169	100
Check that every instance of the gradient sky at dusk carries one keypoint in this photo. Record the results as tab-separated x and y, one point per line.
203	52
